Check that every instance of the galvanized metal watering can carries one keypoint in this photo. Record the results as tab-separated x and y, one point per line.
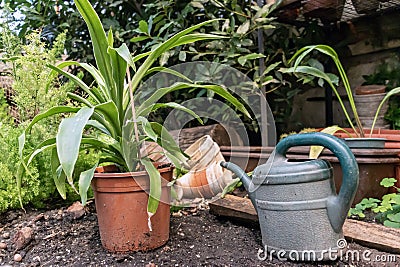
300	214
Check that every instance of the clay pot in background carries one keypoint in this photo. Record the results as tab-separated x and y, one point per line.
367	100
392	136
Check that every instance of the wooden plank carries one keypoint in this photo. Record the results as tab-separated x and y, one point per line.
373	235
236	208
367	234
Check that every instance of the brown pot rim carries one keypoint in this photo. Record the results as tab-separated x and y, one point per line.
370	89
100	171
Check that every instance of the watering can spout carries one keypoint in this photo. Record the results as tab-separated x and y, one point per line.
246	180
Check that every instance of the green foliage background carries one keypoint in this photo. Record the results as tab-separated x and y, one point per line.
144	24
141	25
30	74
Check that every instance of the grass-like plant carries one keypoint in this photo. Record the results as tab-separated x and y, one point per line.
109	121
314	70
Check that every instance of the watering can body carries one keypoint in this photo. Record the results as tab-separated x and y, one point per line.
300	214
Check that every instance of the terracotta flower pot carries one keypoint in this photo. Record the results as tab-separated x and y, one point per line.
367	105
392	136
206	178
121	205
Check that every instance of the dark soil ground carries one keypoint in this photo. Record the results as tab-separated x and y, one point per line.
197	238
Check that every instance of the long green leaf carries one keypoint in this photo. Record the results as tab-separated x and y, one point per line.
98	126
110	147
195	37
167	45
69	138
119	66
320	74
329	51
103	94
39	117
53	73
140	56
106	158
110	111
309	71
77	81
171	148
84	183
123	51
58	174
106	124
98	37
95	74
130	148
47	144
146	126
300	55
169	71
180	85
387	96
89	68
79	99
174	106
155	188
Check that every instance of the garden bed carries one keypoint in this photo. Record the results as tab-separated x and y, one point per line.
197	238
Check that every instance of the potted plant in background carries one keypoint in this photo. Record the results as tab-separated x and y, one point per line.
386	75
367	98
333	81
111	123
374	164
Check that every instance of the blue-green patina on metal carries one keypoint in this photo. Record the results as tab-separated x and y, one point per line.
297	205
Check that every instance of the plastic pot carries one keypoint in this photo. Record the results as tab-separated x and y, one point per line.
121	205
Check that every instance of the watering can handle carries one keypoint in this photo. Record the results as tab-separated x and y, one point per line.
337	205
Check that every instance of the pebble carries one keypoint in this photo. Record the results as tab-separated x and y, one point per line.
22	237
17	257
76	210
3	245
36	258
6	235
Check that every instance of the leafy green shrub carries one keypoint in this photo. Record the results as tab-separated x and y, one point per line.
33	93
240	22
4	116
37	188
387	209
31	76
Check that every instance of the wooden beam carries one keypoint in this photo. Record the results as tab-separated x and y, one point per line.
365	233
236	208
373	235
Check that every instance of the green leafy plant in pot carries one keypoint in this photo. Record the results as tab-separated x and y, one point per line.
313	70
110	122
